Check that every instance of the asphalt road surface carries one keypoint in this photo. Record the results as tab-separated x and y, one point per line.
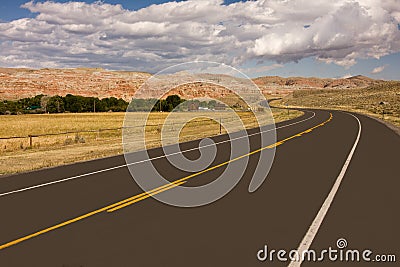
339	181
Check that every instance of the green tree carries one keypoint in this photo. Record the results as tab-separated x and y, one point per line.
55	105
211	104
2	107
73	103
174	101
203	104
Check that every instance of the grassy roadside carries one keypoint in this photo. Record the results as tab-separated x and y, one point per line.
364	100
16	155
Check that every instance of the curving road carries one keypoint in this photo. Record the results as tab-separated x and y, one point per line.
340	180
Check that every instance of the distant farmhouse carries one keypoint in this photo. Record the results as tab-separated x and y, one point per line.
193	106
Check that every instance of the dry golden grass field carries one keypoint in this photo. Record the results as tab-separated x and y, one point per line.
363	100
86	136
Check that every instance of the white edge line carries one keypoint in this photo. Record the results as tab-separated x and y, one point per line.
315	225
141	161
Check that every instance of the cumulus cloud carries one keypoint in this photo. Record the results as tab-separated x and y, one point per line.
378	69
104	35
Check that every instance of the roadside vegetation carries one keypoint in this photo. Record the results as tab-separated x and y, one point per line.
41	104
58	104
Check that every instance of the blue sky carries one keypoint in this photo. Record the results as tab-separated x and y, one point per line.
10	9
258	37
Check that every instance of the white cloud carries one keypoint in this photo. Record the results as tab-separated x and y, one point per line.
378	69
99	34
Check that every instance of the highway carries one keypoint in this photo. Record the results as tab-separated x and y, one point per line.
335	175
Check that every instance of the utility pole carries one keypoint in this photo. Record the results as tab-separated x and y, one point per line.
94	105
287	110
220	124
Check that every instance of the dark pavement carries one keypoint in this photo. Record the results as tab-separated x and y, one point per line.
228	232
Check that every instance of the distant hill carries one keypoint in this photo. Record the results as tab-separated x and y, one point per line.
20	83
97	82
284	85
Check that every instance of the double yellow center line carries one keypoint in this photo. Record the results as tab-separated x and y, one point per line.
134	199
110	208
143	196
